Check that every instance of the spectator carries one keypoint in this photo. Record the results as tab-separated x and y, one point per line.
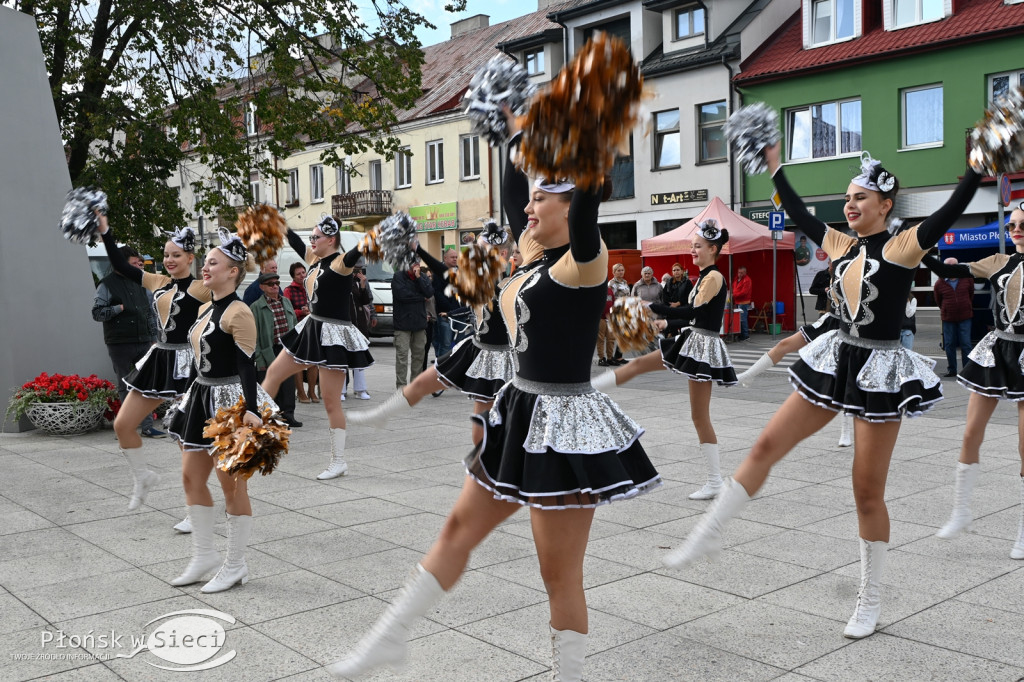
254	291
431	318
364	318
620	289
742	298
677	291
819	287
909	327
274	317
296	293
409	292
444	338
125	311
955	298
605	341
647	288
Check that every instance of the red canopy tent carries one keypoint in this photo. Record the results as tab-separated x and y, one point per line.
750	246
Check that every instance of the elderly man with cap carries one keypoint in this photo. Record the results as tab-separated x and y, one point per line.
275	317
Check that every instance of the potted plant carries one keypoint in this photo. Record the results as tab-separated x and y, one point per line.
62	404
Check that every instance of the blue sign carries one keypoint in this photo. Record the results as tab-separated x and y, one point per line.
1005	192
984	237
776	221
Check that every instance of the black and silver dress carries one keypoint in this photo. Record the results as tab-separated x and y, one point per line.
327	337
828	322
163	372
698	351
223	340
861	368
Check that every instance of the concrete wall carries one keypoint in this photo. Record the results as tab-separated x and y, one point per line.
46	310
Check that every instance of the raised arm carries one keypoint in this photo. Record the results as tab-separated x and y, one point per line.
437	267
345	264
931	229
295	241
515	191
797	211
932	262
584	233
118	261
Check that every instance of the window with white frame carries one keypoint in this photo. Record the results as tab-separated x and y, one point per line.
343	181
828	21
922	116
903	13
435	161
293	187
999	84
376	176
689	22
822	131
251	124
255	195
316	183
666	139
469	151
710	122
534	61
403	168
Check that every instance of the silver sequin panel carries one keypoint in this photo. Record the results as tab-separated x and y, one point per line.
333	334
227	396
885	371
984	353
707	348
492	364
183	358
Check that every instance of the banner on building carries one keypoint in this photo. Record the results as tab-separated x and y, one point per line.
436	216
810	259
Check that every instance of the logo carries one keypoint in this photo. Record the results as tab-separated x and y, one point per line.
949	238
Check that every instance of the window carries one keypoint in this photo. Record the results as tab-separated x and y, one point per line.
534	60
710	121
376	180
999	84
622	175
618	28
255	196
251	124
403	168
316	183
911	12
666	139
922	116
824	130
829	21
342	179
663	226
293	187
435	161
689	22
470	151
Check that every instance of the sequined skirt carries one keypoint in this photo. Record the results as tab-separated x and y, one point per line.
162	372
700	355
874	380
996	367
565	448
825	323
334	344
477	370
187	418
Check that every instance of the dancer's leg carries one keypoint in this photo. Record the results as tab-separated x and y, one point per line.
979	412
423	385
196	466
700	411
790	344
283	366
650	362
561	537
873	446
331	381
134	409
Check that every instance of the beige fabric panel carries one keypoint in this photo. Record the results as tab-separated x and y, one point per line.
904	250
837	244
508	305
238	321
529	247
198	291
163	301
986	267
196	333
338	265
709	287
153	281
310	282
567	272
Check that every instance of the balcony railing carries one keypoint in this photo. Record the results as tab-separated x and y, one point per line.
370	202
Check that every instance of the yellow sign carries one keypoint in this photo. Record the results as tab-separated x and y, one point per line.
776	200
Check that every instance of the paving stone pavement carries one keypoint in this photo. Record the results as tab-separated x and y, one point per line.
327	556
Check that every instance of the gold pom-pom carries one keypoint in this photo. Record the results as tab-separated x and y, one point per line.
242	450
631	324
479	268
579	125
262	229
369	246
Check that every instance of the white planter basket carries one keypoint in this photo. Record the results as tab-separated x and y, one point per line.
65	419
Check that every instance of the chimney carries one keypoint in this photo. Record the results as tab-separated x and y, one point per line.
544	4
470	24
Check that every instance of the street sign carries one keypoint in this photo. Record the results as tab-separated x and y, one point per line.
776	200
1004	189
776	221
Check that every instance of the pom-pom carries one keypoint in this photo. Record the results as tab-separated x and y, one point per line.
497	84
369	246
579	125
479	269
396	239
997	142
751	129
631	324
242	450
262	230
79	222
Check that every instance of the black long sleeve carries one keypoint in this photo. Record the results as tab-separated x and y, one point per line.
118	261
680	312
515	192
584	232
794	205
295	241
931	229
437	267
247	374
932	262
352	256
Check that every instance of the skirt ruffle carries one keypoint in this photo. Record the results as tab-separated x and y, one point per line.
698	356
995	368
822	325
875	384
332	345
478	372
187	418
161	373
560	451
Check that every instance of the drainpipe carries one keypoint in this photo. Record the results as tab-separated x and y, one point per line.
730	109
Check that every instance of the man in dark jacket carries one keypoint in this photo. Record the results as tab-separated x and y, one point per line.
955	298
819	287
409	293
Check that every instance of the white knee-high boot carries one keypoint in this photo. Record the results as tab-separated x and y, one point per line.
234	570
960	519
846	434
869	600
763	364
714	481
568	650
605	381
204	557
705	540
1018	549
143	479
386	642
395	405
337	466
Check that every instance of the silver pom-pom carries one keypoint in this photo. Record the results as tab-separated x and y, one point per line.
751	129
396	236
997	142
79	222
499	83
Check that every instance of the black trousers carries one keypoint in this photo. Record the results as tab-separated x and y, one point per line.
285	397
